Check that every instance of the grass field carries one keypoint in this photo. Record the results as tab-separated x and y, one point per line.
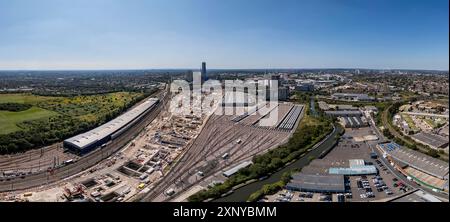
9	120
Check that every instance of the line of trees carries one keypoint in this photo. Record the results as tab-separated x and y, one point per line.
270	189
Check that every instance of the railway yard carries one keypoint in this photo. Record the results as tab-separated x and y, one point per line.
172	154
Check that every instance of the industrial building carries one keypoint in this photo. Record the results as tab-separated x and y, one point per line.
317	183
351	97
346	107
353	122
432	140
323	106
417	160
86	142
357	167
291	118
346	113
203	72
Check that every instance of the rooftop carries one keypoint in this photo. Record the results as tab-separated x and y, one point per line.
420	161
356	170
418	196
358	96
344	112
431	139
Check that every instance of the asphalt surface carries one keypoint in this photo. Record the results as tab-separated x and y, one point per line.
59	173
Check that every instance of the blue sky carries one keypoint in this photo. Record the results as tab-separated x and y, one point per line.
128	34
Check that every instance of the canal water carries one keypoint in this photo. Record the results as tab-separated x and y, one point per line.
243	193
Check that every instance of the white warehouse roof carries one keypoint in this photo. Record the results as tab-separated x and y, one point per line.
92	136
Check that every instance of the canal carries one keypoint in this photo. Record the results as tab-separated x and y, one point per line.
243	193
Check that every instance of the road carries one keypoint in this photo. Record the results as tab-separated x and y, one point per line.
59	173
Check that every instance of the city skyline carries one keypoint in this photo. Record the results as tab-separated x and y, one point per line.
98	35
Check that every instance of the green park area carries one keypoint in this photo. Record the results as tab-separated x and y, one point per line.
28	121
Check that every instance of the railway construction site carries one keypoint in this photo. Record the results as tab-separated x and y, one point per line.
224	142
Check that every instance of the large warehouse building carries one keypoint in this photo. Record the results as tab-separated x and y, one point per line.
417	160
423	169
86	142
